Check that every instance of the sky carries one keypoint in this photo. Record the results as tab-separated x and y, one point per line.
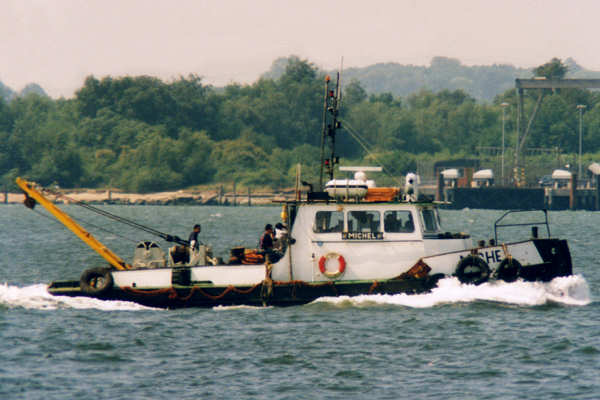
57	43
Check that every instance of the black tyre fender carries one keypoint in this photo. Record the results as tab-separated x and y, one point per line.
509	270
472	269
96	280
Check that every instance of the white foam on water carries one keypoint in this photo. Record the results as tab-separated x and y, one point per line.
571	290
37	297
240	307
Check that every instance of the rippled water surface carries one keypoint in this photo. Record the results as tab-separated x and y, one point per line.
519	340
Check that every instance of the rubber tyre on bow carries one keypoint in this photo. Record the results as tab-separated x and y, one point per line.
96	281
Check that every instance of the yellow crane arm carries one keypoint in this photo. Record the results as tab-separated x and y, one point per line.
67	221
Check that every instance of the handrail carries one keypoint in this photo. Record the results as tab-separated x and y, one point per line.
497	225
32	196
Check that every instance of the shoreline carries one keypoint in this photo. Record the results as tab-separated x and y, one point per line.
179	197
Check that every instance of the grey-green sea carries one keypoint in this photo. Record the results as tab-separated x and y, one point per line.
523	340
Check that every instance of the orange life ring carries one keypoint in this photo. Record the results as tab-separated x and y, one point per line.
323	263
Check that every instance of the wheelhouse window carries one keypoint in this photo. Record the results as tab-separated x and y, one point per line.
430	220
364	221
398	221
329	221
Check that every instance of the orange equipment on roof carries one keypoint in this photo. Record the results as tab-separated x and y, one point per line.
381	194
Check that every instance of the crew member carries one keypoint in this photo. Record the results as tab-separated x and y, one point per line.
267	245
281	234
266	239
193	239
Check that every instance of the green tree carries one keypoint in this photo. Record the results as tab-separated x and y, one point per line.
354	93
553	69
298	71
6	118
195	150
236	158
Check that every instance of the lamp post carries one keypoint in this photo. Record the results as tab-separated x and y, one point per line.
503	105
580	107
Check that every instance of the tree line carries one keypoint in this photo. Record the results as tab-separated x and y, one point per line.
144	134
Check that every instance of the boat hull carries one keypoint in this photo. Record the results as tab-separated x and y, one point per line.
265	293
553	253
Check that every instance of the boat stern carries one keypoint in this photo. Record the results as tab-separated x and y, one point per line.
556	260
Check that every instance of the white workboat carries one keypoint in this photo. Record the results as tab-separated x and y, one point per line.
347	238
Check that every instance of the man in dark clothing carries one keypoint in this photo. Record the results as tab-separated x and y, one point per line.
193	239
266	240
266	244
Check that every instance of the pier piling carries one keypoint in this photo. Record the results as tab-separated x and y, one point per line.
234	194
439	194
573	192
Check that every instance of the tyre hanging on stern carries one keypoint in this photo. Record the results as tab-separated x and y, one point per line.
472	270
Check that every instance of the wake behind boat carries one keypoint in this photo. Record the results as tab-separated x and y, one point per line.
347	238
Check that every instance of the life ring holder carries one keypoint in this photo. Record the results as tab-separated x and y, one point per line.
341	265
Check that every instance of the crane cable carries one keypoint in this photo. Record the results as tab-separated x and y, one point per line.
87	223
125	221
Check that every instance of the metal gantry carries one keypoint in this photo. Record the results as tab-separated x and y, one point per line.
541	83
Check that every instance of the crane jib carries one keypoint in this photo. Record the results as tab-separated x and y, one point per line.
32	196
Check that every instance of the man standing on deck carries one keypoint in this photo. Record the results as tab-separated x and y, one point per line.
266	245
193	239
266	240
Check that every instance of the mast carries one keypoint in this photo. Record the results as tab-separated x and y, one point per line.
330	125
323	131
